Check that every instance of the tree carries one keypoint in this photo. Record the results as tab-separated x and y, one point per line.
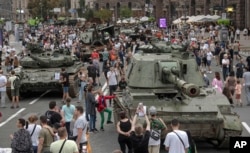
42	8
103	14
88	14
82	8
125	12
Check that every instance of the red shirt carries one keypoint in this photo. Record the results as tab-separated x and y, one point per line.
102	102
95	55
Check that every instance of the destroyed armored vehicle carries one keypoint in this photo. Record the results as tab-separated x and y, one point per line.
168	78
40	71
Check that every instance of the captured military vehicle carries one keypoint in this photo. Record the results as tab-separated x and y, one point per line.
95	37
40	71
168	78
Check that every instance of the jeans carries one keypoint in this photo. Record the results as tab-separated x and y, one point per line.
81	91
67	126
247	92
112	89
3	95
35	149
92	122
103	117
225	71
123	142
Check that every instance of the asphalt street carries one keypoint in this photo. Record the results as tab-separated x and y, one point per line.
102	142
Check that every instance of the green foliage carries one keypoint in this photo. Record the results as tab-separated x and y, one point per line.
89	14
223	22
43	7
103	14
151	19
125	12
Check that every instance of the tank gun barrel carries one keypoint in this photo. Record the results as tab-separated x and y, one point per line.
187	88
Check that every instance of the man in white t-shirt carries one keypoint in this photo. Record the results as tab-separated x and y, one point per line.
209	60
3	82
245	33
112	81
176	141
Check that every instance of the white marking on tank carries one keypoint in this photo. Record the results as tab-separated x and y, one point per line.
11	117
35	100
245	125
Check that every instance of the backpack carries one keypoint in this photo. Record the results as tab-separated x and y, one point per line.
17	82
49	114
23	141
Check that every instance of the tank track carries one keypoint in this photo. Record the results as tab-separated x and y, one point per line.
224	144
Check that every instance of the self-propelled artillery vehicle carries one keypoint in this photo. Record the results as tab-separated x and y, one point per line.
167	77
40	71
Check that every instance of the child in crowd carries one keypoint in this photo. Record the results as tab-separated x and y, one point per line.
238	88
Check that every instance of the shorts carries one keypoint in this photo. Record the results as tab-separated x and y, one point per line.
236	53
65	89
15	92
208	63
237	96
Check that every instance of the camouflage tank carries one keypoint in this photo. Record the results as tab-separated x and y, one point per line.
39	71
168	78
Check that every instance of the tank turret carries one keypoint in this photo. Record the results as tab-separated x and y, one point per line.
189	89
168	78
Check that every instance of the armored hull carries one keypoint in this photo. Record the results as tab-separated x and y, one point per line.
169	79
40	71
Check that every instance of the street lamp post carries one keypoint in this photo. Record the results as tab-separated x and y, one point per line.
20	17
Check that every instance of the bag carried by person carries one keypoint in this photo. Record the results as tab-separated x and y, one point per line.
17	82
22	141
155	134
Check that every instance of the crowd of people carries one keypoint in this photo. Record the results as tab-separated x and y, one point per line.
54	134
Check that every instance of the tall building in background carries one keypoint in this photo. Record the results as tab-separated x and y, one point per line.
20	11
6	9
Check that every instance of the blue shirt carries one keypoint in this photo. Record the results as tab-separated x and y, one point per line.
68	112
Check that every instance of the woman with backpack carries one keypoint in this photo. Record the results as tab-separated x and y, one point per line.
21	140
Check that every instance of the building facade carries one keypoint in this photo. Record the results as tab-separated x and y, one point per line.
20	13
6	9
236	10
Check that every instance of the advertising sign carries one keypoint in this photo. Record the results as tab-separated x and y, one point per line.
163	23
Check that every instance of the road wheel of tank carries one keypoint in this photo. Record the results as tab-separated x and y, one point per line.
73	85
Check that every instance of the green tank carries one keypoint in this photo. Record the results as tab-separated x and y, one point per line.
167	77
39	71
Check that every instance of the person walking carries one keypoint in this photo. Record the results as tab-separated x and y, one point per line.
123	128
225	66
177	140
112	81
231	82
67	114
157	126
63	145
102	108
246	83
46	136
217	83
238	88
3	82
21	140
80	128
240	69
82	83
65	83
91	110
14	91
34	130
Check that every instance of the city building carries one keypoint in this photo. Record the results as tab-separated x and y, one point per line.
236	10
20	13
5	9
